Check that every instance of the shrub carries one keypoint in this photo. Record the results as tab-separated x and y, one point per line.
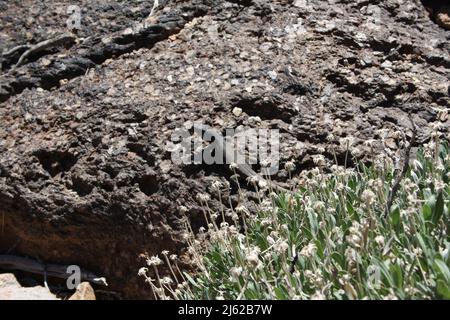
331	240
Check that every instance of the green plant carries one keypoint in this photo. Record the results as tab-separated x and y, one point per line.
331	241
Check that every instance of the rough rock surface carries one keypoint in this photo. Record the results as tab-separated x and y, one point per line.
84	291
11	289
86	175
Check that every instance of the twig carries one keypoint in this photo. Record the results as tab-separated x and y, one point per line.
52	270
402	174
41	46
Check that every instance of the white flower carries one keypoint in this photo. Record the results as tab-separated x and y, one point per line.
289	166
142	271
390	296
214	216
265	163
270	240
368	197
266	222
354	240
253	179
166	280
216	185
173	257
183	209
417	252
281	247
351	255
224	225
331	210
345	279
233	166
154	261
252	257
319	159
369	142
318	296
443	252
233	230
379	240
309	250
262	184
320	149
439	185
318	206
236	272
330	137
203	197
242	209
308	273
346	142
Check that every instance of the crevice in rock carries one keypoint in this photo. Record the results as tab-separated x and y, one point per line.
195	170
439	12
298	89
81	186
267	108
55	161
148	184
142	151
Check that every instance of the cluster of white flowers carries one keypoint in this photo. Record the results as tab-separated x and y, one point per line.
351	255
252	257
379	240
309	250
368	197
289	166
281	247
203	197
154	261
318	296
319	160
183	209
315	278
142	271
217	186
346	142
262	184
355	236
166	281
318	206
235	273
320	213
242	210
